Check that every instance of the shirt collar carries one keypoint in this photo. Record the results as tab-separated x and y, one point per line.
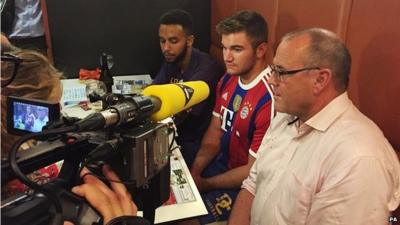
193	61
263	74
324	118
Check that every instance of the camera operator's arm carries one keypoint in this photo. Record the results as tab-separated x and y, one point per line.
208	150
115	204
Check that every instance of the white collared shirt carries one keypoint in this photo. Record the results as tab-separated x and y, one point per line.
336	168
28	19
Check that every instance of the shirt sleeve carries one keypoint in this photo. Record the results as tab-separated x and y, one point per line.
161	77
250	182
355	194
210	75
218	91
262	123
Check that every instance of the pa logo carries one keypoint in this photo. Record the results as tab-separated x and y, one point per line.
187	91
392	219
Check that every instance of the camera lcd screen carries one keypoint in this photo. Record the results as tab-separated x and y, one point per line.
28	115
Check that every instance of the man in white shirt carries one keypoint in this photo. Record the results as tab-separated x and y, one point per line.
41	120
321	161
24	26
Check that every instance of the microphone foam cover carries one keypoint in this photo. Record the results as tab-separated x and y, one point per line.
177	97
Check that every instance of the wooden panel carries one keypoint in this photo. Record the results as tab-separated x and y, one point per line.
373	40
295	14
220	9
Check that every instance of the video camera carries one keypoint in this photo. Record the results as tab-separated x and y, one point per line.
125	135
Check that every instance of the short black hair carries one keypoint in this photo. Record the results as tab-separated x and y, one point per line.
248	21
179	17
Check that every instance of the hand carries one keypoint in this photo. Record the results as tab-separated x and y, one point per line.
202	183
111	203
197	178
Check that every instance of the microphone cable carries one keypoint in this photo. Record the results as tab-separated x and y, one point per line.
12	157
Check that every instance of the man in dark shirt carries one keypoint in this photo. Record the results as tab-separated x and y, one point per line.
183	63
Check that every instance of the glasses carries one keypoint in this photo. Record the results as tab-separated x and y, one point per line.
279	72
5	79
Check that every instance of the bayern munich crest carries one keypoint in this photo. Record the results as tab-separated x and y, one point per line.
245	110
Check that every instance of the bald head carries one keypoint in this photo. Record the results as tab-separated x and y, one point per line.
325	49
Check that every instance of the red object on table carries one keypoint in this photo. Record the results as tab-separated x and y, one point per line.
89	74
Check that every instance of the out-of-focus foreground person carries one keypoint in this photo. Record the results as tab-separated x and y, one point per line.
36	78
28	74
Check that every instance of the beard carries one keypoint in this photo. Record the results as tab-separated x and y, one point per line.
180	57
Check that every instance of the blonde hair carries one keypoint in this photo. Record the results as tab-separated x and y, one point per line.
36	78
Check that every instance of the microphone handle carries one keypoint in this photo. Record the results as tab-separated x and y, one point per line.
131	109
92	122
156	103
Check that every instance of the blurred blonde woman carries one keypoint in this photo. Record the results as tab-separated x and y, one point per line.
34	78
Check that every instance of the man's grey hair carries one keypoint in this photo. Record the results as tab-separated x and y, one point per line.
326	49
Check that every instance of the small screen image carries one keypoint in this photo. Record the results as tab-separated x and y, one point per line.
28	117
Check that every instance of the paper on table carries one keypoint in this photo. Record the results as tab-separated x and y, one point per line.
73	92
130	84
186	201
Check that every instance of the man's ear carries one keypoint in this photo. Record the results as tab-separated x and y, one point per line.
323	78
261	50
190	40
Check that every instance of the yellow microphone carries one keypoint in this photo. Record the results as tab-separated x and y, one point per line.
176	97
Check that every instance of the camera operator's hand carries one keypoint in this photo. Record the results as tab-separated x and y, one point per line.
111	203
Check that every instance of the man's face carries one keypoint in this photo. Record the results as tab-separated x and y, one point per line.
173	42
293	93
239	55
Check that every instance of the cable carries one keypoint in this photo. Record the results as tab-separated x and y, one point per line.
91	165
176	147
57	219
170	149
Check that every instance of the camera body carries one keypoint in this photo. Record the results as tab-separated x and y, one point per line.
137	150
144	153
29	115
